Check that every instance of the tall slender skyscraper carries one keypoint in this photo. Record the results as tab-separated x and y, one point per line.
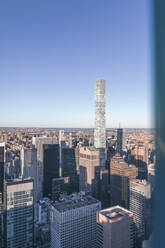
100	123
99	132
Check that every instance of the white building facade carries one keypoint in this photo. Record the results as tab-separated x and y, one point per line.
74	222
18	213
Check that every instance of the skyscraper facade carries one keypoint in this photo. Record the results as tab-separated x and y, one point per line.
115	228
29	166
140	205
60	185
38	143
100	119
51	167
120	175
18	213
120	140
89	170
93	177
61	145
74	222
69	168
99	132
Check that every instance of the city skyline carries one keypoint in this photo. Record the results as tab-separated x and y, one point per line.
51	57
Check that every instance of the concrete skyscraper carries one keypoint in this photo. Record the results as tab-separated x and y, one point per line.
120	175
100	122
89	170
93	178
115	228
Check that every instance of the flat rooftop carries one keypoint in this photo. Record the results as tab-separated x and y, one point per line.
140	182
116	213
92	148
73	201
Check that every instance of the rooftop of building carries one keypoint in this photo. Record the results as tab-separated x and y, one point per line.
75	200
45	202
140	182
92	148
117	158
116	213
65	179
17	181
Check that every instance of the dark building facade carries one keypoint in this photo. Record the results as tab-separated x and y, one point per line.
120	140
69	168
59	186
120	175
51	167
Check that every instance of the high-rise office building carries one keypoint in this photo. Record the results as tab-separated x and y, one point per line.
2	165
120	175
151	175
140	205
60	185
120	140
100	119
62	144
140	157
93	178
51	167
89	170
28	159
38	143
74	222
115	228
42	226
69	168
18	213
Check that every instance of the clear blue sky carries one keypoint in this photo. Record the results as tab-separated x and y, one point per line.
51	52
